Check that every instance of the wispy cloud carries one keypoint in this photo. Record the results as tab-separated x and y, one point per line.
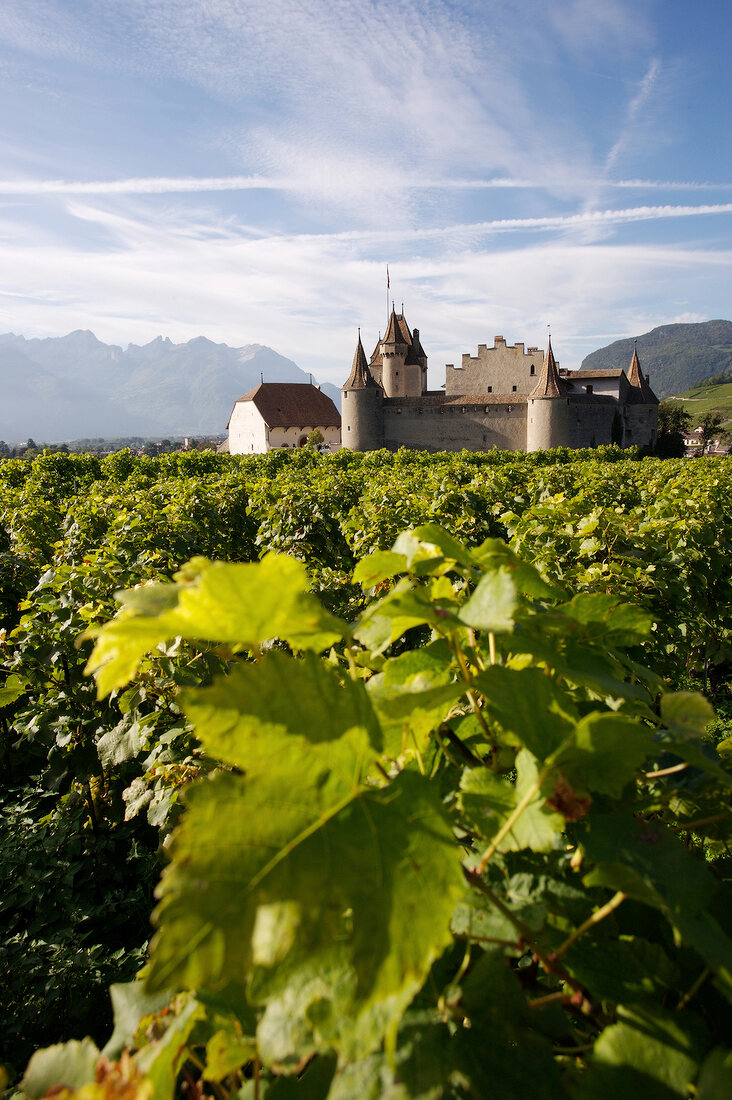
168	185
635	107
174	274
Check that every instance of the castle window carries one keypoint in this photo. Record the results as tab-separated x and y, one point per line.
345	395
533	369
490	389
513	389
349	427
588	387
510	408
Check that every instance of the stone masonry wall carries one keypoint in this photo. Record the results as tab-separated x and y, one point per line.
452	427
495	370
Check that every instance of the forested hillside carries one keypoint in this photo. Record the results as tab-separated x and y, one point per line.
676	357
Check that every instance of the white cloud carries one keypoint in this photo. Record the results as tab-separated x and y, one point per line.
172	274
313	177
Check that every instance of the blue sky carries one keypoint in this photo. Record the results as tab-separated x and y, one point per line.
245	169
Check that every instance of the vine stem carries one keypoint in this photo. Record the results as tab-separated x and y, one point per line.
667	771
594	918
523	930
550	999
694	989
492	646
472	698
511	820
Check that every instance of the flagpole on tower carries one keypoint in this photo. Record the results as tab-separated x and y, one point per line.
387	295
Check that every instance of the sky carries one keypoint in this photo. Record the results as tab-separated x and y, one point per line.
246	170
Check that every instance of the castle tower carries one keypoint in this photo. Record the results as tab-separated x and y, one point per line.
394	348
547	420
362	427
641	412
421	361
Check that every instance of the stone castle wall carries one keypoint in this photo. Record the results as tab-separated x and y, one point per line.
495	370
441	426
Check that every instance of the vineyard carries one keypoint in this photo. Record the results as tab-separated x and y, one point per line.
421	764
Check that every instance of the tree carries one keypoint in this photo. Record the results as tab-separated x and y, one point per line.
711	425
673	421
316	438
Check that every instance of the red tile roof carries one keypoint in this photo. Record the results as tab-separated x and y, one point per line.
293	405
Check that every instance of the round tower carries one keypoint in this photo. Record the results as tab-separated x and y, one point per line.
394	350
547	409
362	427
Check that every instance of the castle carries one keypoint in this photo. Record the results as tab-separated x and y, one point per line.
509	397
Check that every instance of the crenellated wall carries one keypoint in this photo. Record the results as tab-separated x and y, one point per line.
495	370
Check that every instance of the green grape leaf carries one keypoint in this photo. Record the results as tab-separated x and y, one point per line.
242	604
494	553
486	800
226	1051
686	713
538	826
449	547
121	743
380	566
604	753
715	1080
529	706
310	879
648	1053
605	618
14	687
281	705
161	1060
70	1064
493	604
626	969
130	1002
648	863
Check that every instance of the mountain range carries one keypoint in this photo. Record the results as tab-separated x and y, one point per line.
71	387
676	357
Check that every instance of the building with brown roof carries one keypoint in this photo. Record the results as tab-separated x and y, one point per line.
282	414
508	396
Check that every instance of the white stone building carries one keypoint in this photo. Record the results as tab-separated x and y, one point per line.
282	414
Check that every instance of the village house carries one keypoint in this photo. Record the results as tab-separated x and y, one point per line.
282	414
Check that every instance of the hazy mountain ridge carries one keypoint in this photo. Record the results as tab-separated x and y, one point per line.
67	387
677	357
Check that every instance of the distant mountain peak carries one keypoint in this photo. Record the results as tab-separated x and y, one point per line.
75	386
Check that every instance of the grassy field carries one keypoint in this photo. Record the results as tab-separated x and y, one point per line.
704	399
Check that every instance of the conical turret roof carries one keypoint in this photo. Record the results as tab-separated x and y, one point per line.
394	333
360	376
644	394
549	384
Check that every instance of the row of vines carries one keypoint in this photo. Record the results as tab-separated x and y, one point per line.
422	748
